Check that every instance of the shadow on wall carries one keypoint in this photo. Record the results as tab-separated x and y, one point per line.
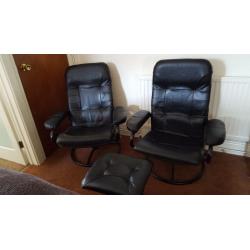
219	71
219	68
119	96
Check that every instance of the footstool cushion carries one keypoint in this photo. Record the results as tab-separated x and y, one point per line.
118	174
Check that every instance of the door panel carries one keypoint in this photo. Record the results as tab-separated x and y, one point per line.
9	147
5	139
45	88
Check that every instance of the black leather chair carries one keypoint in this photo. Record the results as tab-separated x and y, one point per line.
94	120
180	129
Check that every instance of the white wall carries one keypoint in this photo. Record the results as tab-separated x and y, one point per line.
127	69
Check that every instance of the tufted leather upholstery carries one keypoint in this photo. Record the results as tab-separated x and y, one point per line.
119	115
179	117
84	136
94	120
89	94
175	147
180	100
118	174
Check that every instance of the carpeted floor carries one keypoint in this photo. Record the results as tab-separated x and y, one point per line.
227	174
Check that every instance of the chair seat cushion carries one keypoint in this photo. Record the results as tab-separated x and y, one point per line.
173	147
84	136
118	174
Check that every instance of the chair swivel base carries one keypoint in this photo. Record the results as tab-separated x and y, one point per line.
80	163
174	181
88	163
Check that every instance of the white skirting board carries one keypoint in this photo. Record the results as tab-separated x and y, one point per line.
230	102
235	148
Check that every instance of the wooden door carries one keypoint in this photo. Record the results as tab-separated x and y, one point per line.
43	80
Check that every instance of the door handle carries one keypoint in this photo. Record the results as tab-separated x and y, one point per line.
25	67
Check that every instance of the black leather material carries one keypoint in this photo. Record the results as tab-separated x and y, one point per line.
180	99
180	102
174	147
90	94
215	132
135	122
54	121
118	174
94	120
119	115
77	137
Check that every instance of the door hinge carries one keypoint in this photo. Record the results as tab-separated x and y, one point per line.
20	143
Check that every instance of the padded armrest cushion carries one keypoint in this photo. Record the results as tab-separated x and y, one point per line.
119	115
54	121
135	122
215	132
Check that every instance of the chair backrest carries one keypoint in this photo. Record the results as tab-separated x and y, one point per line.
89	94
180	98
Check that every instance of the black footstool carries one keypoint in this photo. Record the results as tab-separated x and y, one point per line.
118	174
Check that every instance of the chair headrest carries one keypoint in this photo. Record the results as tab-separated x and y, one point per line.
184	72
91	73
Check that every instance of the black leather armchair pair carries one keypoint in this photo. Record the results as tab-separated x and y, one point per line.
94	120
180	129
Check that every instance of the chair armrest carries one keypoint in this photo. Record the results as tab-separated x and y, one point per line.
215	132
135	122
119	115
54	121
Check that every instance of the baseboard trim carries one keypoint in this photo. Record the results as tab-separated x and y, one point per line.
234	147
248	150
